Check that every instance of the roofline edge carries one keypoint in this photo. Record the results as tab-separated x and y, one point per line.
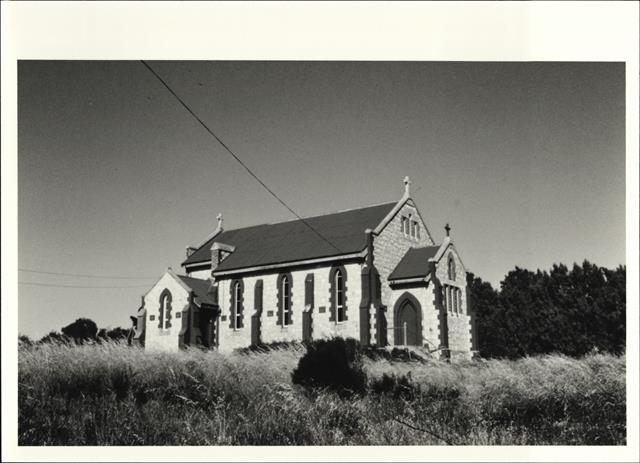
318	260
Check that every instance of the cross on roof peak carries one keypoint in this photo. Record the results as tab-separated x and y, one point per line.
447	228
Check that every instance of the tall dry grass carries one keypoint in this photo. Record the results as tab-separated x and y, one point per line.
112	394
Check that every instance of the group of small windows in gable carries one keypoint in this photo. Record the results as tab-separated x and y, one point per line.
409	226
452	294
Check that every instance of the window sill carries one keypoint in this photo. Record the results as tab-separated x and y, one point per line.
457	314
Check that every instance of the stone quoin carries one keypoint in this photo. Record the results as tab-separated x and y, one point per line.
373	273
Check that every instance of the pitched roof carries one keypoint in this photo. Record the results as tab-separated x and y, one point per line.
414	264
200	288
293	240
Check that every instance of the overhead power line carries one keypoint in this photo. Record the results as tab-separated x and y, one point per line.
83	275
281	201
29	283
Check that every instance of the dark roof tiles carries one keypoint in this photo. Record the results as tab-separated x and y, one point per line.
199	287
414	264
294	241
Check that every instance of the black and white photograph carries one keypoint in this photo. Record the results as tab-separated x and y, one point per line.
341	253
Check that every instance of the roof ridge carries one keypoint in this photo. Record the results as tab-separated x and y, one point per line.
313	216
348	226
189	277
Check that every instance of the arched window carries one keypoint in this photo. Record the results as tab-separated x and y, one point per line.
164	319
285	288
451	268
164	309
285	301
338	294
237	305
455	300
338	286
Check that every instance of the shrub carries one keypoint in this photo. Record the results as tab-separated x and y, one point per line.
394	354
55	338
81	330
400	386
333	364
269	347
406	355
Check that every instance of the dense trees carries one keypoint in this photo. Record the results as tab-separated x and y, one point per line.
568	311
54	338
80	331
115	334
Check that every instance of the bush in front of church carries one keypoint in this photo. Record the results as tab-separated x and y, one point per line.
332	364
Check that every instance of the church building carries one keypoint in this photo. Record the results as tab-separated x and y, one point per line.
372	273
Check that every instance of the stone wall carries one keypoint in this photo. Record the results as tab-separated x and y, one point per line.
322	326
230	338
390	246
459	322
164	339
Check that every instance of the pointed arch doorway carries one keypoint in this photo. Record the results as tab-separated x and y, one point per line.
408	321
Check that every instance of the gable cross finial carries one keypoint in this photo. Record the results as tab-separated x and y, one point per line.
220	220
407	185
447	228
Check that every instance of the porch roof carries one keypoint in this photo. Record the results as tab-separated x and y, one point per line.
414	264
200	289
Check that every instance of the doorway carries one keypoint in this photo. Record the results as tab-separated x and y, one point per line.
209	327
408	322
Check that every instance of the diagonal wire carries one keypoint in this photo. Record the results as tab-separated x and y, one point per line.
235	156
82	275
448	442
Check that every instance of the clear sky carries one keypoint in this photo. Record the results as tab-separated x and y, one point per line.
525	160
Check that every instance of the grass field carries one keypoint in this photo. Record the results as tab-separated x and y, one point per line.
112	394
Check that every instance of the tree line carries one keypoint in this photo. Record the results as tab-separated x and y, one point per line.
572	312
83	330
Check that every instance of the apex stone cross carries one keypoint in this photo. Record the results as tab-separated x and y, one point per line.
407	185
